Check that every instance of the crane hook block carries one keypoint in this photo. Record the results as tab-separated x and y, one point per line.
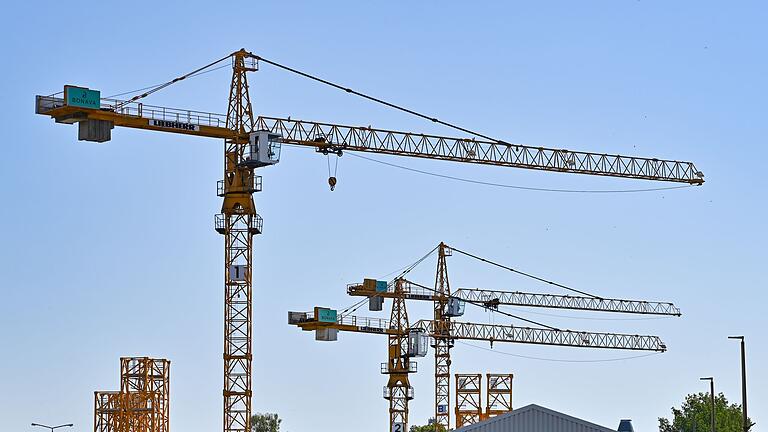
332	182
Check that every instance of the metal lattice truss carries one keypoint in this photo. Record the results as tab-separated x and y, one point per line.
498	397
329	137
469	408
541	336
398	390
124	412
494	298
334	138
240	222
151	376
495	333
143	402
443	340
238	293
498	394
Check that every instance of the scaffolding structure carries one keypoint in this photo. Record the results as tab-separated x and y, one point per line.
498	394
469	409
498	397
143	402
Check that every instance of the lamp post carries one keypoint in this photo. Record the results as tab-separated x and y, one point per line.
745	421
712	398
53	427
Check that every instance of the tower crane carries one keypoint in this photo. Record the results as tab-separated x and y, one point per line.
252	142
443	330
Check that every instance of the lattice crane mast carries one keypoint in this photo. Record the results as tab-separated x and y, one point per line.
252	142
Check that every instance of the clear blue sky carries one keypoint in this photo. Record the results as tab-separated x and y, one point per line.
109	250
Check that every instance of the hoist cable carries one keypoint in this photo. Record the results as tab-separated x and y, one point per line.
505	185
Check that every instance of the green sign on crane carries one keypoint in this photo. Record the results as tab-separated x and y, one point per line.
326	315
82	97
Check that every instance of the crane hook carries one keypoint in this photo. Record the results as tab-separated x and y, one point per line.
332	182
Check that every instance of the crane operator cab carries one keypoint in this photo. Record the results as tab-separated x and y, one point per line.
455	307
263	149
417	343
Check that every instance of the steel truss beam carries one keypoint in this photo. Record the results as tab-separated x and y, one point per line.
541	336
333	138
493	298
498	393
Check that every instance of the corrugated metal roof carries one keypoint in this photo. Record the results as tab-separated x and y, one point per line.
534	418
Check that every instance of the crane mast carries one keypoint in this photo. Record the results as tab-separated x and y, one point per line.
398	390
238	222
443	340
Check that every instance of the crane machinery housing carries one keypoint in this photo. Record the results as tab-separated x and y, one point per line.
252	142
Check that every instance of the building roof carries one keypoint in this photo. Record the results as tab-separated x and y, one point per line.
534	418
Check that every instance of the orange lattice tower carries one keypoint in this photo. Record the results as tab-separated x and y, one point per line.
498	394
142	404
468	407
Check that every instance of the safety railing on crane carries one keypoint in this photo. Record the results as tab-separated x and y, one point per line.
348	320
140	110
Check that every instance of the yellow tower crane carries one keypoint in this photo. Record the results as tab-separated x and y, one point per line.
252	142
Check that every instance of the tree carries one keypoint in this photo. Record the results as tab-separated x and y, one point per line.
694	415
428	427
266	422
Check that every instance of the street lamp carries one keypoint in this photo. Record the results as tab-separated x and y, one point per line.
712	398
53	427
745	421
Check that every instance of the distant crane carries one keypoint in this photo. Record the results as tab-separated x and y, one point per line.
443	330
252	142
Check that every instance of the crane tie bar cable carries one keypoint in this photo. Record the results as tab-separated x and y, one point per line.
380	101
173	81
407	269
525	274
